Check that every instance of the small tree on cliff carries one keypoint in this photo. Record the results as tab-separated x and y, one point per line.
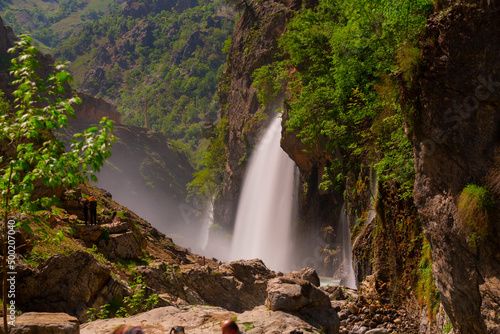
33	157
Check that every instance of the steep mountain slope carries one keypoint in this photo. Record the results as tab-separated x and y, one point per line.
51	22
163	57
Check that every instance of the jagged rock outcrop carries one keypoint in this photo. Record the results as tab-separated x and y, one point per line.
458	143
92	109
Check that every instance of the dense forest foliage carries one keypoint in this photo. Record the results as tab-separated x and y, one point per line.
343	65
166	57
172	72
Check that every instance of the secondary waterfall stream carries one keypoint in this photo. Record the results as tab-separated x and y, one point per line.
263	227
349	276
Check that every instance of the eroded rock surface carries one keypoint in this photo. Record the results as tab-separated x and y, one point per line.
458	143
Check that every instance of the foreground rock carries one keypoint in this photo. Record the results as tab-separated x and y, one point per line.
237	286
205	319
46	323
67	283
297	293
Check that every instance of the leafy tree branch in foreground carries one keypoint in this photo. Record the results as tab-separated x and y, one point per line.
33	157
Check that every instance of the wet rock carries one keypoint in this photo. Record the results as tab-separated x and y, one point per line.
307	274
217	286
122	246
451	153
359	330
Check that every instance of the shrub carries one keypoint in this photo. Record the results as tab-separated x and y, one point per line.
473	205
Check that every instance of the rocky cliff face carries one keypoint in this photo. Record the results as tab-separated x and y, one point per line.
253	44
457	144
92	109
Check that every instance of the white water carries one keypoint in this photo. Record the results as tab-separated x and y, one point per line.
264	218
207	222
349	276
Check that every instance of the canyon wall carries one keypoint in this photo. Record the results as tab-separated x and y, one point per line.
458	144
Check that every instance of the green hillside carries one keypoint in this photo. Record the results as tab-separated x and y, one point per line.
163	57
50	22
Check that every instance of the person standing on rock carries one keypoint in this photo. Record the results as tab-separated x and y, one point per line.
86	210
230	327
93	210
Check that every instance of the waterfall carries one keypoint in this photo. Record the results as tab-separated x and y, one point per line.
264	217
208	221
349	278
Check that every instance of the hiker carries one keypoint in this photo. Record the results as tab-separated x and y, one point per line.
86	210
230	327
128	329
93	210
178	329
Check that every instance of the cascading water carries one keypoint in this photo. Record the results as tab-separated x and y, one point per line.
349	278
207	222
264	217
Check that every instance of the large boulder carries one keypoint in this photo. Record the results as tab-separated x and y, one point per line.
44	323
295	295
67	283
237	286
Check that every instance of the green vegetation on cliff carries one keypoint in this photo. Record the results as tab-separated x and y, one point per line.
345	61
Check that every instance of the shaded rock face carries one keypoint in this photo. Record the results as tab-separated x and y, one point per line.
254	43
458	143
93	109
67	283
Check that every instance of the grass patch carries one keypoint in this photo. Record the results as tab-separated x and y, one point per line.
427	293
473	205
